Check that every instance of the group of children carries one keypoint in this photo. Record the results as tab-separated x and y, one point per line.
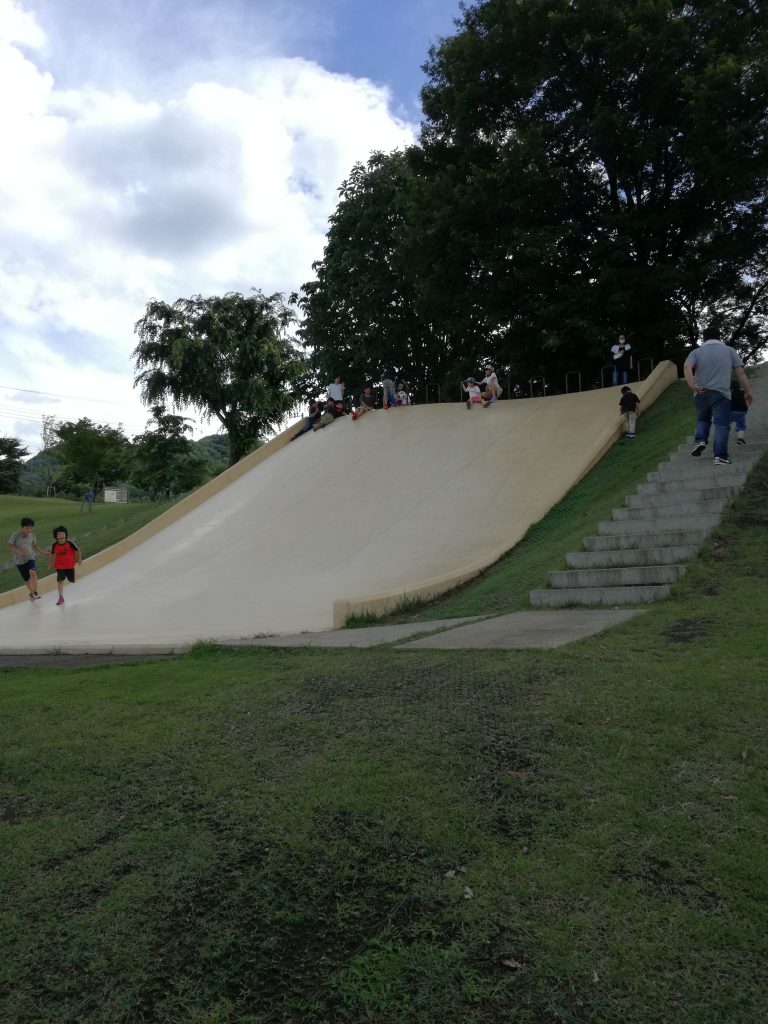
325	411
63	556
484	393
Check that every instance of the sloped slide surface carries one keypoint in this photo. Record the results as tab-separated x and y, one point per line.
405	501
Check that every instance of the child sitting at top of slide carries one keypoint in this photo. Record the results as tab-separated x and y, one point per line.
472	390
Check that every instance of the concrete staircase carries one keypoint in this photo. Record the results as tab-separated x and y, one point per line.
643	549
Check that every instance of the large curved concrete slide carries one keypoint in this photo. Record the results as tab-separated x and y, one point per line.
297	537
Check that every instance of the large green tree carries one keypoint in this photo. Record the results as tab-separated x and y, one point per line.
163	457
360	310
607	164
12	454
91	454
230	357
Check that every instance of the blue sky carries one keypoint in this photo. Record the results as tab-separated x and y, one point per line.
159	150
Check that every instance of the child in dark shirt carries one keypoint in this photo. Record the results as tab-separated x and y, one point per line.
629	404
739	409
367	403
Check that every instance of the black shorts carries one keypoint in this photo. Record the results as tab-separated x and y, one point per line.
65	574
26	569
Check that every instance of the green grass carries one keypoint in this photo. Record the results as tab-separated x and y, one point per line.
389	837
94	531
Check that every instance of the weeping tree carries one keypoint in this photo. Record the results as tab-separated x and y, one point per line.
230	357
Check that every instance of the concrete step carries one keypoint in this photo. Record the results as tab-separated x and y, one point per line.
598	596
630	556
655	539
691	488
742	457
662	524
682	508
619	576
706	473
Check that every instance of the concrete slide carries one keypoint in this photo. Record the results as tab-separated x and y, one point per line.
410	501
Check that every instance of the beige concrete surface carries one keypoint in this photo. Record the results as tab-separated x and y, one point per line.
408	501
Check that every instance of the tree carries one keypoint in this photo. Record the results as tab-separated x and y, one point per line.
12	454
91	454
361	310
48	434
163	458
229	357
626	145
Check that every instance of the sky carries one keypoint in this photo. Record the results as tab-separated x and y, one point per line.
153	150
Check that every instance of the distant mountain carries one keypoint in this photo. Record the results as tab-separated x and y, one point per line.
215	447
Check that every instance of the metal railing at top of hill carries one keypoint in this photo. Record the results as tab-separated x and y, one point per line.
540	387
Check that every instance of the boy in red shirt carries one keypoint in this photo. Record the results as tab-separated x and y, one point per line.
65	555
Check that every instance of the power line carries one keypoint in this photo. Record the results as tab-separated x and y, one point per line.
52	394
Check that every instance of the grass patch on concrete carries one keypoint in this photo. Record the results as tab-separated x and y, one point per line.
274	836
105	525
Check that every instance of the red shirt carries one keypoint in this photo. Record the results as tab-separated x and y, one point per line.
64	554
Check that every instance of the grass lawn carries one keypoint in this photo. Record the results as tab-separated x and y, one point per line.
105	525
389	837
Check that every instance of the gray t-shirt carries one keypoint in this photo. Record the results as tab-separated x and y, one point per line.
713	363
26	541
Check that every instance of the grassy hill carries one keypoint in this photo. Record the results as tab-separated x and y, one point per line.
388	837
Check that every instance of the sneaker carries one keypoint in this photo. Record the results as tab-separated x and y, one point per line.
740	440
36	596
487	405
493	399
354	415
698	448
60	601
722	460
632	435
31	597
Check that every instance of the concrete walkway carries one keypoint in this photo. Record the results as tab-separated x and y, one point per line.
517	631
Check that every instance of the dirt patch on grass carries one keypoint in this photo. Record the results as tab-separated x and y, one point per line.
685	631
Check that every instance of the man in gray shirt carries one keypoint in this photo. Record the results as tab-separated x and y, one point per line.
708	372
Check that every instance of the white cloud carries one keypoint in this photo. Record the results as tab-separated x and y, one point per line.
108	199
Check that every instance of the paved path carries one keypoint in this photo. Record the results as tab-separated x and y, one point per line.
516	631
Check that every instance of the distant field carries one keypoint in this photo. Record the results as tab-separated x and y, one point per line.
94	531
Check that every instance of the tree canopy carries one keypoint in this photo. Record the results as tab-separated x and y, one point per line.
12	454
229	357
163	459
91	454
585	168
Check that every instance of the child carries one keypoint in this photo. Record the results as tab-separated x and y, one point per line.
629	404
492	387
472	391
739	412
402	392
333	410
367	403
64	554
315	412
23	545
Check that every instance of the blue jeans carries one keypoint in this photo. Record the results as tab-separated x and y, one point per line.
619	373
713	407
